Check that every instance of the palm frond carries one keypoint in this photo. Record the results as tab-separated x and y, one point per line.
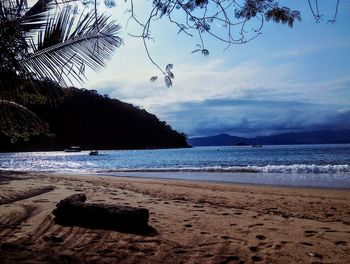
40	7
35	16
67	45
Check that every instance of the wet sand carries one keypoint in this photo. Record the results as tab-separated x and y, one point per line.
190	222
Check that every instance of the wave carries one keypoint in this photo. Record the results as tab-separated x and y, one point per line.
294	168
304	168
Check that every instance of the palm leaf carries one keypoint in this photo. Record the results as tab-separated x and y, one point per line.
67	45
35	17
40	7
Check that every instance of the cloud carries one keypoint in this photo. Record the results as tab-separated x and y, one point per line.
214	80
300	51
251	117
248	99
211	80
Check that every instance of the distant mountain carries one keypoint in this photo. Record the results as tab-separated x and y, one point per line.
312	137
218	140
92	121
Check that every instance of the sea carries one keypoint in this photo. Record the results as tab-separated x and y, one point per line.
285	165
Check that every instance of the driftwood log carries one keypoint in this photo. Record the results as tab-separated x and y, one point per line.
74	211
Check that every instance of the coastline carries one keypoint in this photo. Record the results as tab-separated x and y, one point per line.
194	221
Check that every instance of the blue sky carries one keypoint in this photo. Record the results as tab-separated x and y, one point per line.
285	80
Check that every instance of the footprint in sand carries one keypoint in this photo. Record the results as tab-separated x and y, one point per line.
261	237
230	259
285	242
306	244
257	258
258	224
278	247
309	233
331	231
178	201
253	249
342	243
179	251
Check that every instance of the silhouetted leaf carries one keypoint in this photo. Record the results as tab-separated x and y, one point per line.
283	15
169	67
171	75
168	82
62	49
205	52
153	78
110	3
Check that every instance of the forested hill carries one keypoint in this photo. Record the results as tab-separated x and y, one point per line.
340	136
92	121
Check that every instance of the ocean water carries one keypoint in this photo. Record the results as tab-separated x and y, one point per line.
292	165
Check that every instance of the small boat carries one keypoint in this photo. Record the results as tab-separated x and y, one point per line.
93	152
257	146
73	149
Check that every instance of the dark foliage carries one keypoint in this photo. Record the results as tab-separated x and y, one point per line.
92	121
43	46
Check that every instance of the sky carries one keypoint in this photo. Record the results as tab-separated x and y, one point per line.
286	80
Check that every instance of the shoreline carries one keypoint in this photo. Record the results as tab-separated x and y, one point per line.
216	182
266	179
193	221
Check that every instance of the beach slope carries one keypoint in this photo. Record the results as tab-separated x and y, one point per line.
190	222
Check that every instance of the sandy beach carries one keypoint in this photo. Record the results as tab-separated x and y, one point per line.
190	222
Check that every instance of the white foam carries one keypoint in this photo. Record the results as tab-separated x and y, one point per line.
304	168
294	168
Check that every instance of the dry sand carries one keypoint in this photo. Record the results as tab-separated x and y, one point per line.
191	222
